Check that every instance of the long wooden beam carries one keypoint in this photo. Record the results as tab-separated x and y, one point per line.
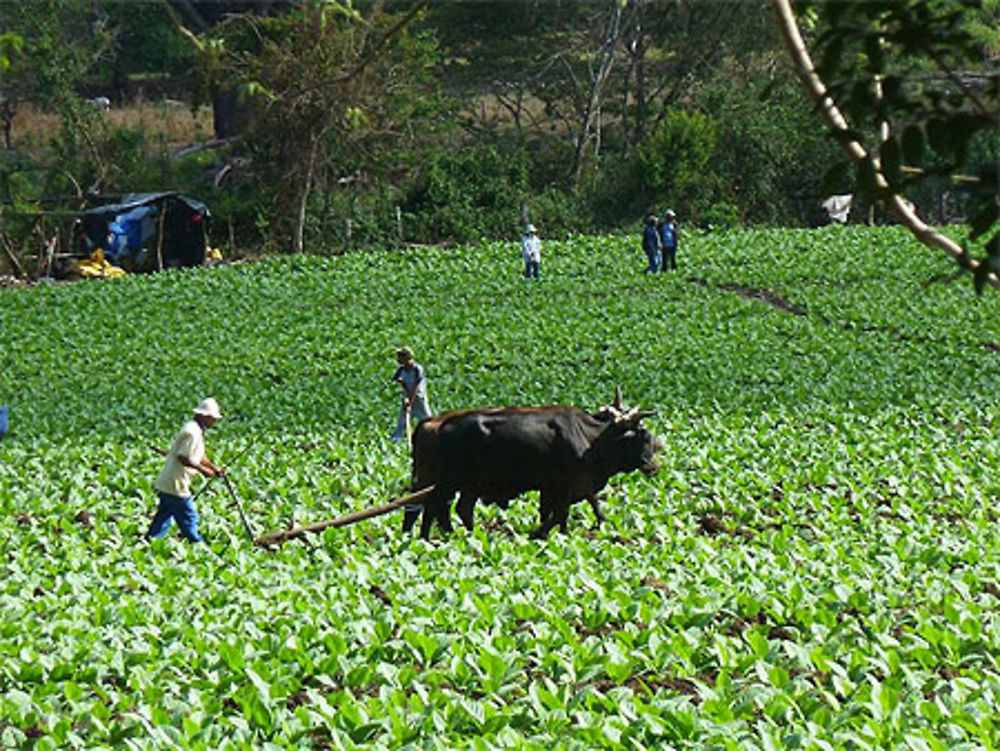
342	521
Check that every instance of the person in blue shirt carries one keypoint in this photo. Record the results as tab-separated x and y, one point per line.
415	407
669	239
651	244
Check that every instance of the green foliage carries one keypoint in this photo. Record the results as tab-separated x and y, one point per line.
722	216
614	193
101	157
347	114
332	97
815	566
911	78
11	45
672	161
147	41
60	44
465	193
984	26
770	156
51	45
757	149
87	154
558	213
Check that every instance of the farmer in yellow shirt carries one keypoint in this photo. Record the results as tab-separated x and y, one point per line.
173	486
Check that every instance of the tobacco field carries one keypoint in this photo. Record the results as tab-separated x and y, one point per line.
816	566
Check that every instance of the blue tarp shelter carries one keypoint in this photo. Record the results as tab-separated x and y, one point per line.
148	231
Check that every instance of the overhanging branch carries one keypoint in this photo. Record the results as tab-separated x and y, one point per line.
818	92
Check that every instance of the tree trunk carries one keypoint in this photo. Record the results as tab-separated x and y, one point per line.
605	62
640	74
229	116
7	118
300	223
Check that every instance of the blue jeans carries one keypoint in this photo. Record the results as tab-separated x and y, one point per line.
531	269
181	509
654	262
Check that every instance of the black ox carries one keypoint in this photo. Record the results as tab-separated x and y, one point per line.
498	453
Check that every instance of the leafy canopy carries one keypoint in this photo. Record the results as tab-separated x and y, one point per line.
919	83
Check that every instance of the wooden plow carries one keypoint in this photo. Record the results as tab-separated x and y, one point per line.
294	533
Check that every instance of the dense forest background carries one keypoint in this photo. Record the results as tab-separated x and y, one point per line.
331	124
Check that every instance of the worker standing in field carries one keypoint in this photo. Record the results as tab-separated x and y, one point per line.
669	240
531	252
415	407
651	245
173	485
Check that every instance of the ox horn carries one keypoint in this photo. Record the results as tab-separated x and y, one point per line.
614	410
628	416
634	415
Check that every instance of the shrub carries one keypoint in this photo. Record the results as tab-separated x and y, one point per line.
672	162
769	158
721	216
558	213
462	195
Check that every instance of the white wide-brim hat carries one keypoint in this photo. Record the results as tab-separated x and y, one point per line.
209	408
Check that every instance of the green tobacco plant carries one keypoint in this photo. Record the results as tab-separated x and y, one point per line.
814	567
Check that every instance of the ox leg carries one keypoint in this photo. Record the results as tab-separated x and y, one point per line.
466	508
561	517
444	517
554	511
595	504
410	515
437	506
544	508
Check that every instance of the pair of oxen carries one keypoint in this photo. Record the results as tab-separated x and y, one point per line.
497	453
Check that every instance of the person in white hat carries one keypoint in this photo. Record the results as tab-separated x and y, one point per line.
531	251
669	240
173	485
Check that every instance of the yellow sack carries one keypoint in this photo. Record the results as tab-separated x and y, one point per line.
96	267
